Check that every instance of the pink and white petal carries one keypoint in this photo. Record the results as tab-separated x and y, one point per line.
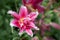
14	14
21	24
22	29
33	26
33	15
21	32
29	32
15	23
55	25
23	12
27	18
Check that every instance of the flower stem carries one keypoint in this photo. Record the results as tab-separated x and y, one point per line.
12	30
16	5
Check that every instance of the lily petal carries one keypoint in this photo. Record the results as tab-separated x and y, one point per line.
23	12
14	14
39	8
15	23
33	26
33	15
55	25
21	31
29	32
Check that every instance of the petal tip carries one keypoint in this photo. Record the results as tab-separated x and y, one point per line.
37	12
9	12
23	7
20	33
37	28
11	24
31	35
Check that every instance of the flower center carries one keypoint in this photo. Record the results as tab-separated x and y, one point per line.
21	20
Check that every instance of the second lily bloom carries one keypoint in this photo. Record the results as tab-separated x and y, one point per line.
34	4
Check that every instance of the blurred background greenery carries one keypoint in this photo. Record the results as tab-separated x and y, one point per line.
5	29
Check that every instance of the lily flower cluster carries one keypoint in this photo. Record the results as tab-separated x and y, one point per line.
27	15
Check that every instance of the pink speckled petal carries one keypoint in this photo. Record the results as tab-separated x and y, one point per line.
33	26
14	22
29	32
33	15
14	14
23	12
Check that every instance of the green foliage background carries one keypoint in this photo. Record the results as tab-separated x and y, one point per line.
5	29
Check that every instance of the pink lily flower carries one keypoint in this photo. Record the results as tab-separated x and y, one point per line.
35	4
24	21
55	25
